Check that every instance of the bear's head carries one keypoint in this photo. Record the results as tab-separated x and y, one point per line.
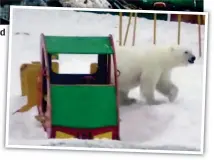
182	55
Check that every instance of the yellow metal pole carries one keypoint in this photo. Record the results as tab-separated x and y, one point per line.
199	34
179	29
203	18
134	31
120	28
154	32
127	29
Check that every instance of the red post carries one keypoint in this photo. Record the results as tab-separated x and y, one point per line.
116	82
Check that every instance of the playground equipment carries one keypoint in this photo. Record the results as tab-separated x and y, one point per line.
200	21
83	106
127	29
28	74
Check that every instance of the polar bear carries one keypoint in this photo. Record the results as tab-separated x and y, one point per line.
150	69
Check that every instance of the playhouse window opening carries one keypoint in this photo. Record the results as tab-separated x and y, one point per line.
76	63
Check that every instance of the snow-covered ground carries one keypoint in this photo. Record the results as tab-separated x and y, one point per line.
170	126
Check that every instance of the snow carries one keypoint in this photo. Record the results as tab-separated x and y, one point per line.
170	126
86	3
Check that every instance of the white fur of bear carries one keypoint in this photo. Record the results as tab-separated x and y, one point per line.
150	69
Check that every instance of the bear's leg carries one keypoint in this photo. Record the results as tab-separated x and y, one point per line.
166	87
148	86
125	100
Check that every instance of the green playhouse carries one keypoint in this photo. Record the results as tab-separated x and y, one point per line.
83	106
